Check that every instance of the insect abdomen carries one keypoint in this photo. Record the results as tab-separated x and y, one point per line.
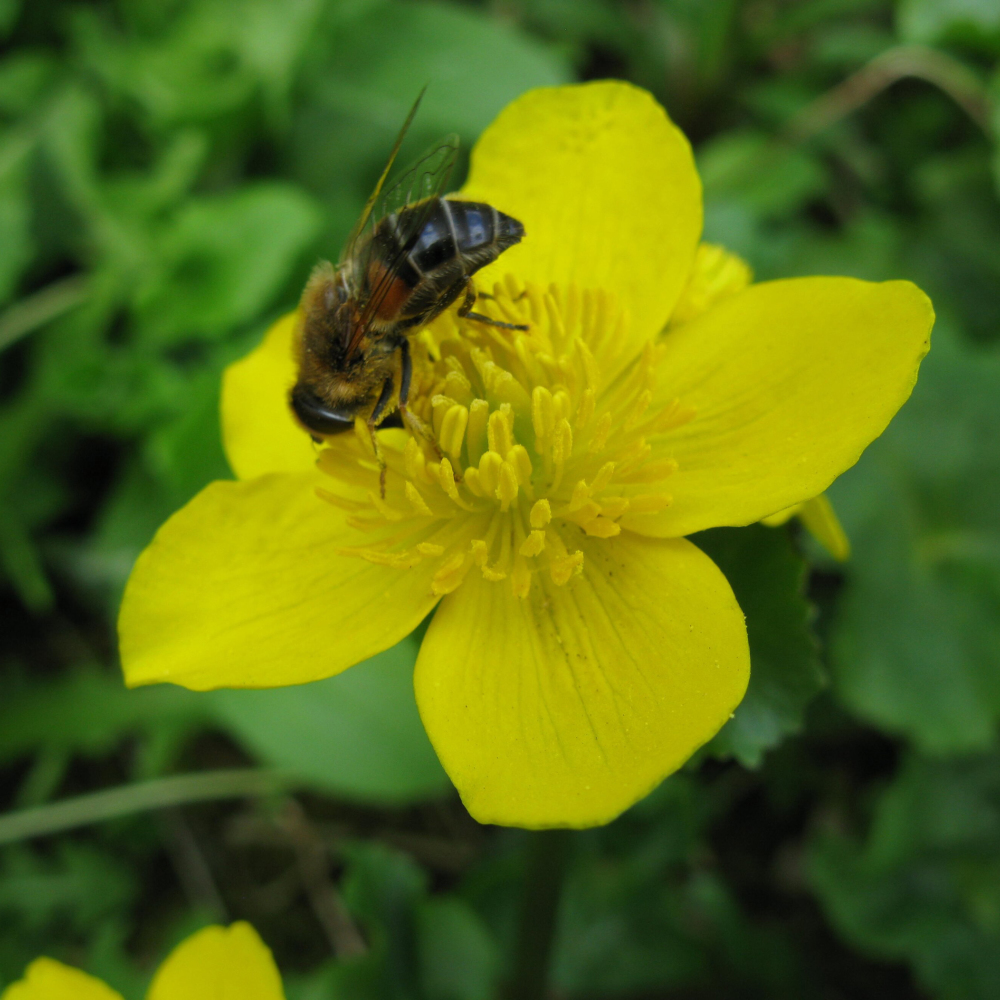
457	237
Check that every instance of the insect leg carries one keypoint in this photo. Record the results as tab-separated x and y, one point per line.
417	427
383	400
465	310
493	298
380	405
486	321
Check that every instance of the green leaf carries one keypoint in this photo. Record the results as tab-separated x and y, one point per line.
88	712
15	213
941	20
916	642
457	956
473	65
924	886
767	576
765	176
222	260
371	70
357	735
79	885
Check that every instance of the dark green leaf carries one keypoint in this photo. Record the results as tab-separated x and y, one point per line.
357	734
925	884
767	576
917	639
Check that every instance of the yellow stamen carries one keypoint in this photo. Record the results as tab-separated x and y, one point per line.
530	437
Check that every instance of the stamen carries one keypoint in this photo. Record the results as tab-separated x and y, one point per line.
499	432
541	514
533	545
489	473
534	434
389	513
507	489
452	432
475	435
418	502
452	574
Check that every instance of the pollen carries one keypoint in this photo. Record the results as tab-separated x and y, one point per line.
529	446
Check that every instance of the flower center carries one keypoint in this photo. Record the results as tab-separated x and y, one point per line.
532	442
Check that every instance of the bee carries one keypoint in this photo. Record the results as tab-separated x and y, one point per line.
411	255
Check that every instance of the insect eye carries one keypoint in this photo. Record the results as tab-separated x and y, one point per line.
317	416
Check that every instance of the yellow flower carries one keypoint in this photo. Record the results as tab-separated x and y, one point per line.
582	648
716	274
216	963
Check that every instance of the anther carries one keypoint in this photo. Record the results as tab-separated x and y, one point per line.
602	527
650	503
507	487
601	432
543	415
650	472
614	507
450	576
389	513
533	545
489	472
562	569
416	500
446	479
498	431
452	432
521	463
603	477
541	514
475	435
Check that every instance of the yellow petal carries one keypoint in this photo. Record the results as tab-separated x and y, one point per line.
258	431
606	188
565	707
47	979
246	587
219	963
715	275
790	381
781	517
822	522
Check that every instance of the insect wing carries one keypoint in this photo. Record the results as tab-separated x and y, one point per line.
415	191
366	213
427	178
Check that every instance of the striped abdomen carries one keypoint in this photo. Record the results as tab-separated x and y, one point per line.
456	239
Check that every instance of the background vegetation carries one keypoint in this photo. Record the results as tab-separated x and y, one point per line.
169	170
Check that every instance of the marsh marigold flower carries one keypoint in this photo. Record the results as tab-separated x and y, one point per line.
216	963
581	648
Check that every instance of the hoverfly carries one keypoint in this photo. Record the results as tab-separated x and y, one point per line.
410	256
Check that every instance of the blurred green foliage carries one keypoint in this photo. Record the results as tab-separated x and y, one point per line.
169	171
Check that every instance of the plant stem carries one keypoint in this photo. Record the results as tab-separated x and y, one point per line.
544	872
27	315
144	795
917	61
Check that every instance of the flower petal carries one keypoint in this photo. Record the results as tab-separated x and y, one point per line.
606	187
822	522
219	963
258	430
47	979
715	275
790	381
246	587
565	707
